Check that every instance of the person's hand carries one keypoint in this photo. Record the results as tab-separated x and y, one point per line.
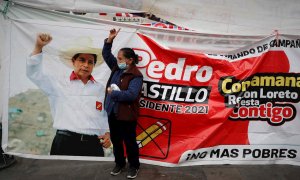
42	40
105	140
109	90
112	34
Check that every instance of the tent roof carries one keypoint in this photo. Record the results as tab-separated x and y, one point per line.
260	17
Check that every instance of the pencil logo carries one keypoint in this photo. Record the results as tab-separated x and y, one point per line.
150	133
153	136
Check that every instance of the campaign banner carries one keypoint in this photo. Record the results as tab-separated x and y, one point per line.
237	107
241	107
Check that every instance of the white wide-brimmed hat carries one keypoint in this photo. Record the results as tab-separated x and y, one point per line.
82	45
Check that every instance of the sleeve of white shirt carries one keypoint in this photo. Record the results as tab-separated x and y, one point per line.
105	124
34	71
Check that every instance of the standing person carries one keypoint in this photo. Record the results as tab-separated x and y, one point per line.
75	100
122	104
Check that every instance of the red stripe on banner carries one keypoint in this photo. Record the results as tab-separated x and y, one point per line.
163	25
124	15
148	24
128	15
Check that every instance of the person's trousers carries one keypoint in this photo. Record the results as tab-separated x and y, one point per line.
74	144
124	131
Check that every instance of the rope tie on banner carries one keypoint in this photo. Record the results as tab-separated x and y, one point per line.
5	9
276	36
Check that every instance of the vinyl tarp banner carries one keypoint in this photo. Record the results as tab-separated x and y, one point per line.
197	107
230	107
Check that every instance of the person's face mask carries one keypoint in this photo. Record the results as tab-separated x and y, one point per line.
122	65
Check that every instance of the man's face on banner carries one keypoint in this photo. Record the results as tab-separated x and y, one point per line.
83	65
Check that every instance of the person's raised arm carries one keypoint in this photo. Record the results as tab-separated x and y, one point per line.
42	40
108	57
34	70
112	34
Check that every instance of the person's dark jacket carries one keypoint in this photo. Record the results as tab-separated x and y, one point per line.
124	103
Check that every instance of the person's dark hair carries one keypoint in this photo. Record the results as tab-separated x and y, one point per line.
129	53
76	56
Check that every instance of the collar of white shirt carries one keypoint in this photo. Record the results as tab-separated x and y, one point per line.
73	77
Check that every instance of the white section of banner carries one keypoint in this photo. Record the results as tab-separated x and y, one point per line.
21	115
237	154
288	133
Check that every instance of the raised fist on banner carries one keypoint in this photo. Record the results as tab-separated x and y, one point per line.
43	39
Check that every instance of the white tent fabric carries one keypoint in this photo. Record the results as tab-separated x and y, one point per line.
74	5
233	16
206	42
259	17
4	71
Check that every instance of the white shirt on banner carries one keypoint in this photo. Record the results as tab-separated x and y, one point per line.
75	106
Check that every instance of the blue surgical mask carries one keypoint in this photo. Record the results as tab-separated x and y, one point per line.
122	65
